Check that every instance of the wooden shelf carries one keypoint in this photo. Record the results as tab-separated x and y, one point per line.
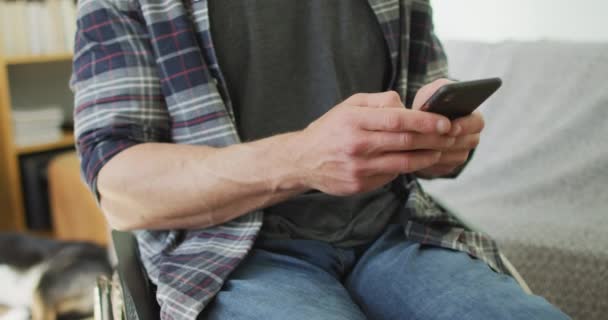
19	60
66	141
41	233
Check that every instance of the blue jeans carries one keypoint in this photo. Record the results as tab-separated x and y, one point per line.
391	278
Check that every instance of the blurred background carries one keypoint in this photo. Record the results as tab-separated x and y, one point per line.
40	191
46	212
498	20
537	182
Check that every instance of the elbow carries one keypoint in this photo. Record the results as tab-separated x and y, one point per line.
130	216
118	219
125	211
114	202
131	220
128	219
120	226
123	217
120	209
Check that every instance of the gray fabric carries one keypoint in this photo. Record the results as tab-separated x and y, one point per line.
538	180
286	63
278	84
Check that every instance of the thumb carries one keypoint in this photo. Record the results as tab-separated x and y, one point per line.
427	91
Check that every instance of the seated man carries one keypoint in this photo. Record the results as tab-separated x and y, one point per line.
268	168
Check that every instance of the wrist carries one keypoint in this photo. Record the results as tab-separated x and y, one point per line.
286	156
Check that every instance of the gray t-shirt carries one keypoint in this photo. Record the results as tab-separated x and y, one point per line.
288	62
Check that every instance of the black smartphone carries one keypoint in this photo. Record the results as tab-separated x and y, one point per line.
460	99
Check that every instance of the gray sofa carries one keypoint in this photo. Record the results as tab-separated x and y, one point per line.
539	180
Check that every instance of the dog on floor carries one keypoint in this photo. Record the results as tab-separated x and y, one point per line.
43	279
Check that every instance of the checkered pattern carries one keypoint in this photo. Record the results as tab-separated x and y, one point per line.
146	71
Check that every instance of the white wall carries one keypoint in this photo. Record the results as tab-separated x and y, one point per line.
496	20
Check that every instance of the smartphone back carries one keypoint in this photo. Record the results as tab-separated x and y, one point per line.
460	99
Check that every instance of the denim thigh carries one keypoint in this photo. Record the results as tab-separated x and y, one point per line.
291	279
399	279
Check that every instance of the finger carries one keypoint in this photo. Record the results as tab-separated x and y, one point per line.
427	91
402	162
387	99
472	123
467	142
383	141
401	120
453	158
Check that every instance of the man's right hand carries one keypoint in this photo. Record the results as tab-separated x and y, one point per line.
359	145
365	142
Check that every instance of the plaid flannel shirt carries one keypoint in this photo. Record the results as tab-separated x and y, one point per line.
146	71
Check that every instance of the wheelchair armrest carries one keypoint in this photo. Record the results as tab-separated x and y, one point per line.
138	294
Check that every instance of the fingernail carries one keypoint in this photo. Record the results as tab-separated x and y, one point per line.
443	126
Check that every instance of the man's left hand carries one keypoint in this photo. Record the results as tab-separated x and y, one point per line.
466	130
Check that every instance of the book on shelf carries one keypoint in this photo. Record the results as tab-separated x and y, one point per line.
37	27
40	125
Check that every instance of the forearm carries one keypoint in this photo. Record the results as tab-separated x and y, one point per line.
355	147
167	186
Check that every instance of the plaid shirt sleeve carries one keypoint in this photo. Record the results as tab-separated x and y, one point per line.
118	100
424	55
